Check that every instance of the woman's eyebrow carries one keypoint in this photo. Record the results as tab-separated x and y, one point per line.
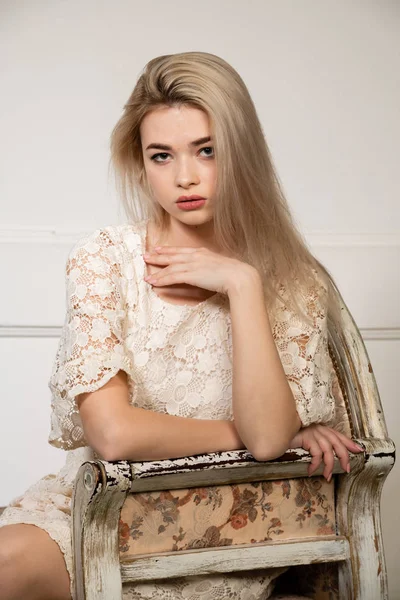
195	143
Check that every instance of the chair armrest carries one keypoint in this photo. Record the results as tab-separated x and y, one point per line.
219	468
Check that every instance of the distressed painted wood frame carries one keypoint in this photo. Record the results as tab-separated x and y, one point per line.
101	488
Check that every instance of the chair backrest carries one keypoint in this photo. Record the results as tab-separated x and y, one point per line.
355	376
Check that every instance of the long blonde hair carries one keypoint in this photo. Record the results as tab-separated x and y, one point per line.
252	220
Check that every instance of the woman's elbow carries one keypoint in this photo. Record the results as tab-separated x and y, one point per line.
110	453
103	441
264	452
268	448
113	447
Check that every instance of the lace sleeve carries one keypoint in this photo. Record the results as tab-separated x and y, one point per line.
303	350
91	348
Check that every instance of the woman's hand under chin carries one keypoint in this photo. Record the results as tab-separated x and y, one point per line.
199	267
321	441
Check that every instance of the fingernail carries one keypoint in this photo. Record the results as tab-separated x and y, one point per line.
360	447
329	478
348	468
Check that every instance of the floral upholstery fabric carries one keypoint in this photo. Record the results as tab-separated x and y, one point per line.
226	515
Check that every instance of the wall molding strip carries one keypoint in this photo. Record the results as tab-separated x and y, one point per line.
39	235
14	234
30	331
54	331
380	333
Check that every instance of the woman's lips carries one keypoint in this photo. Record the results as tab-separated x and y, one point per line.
190	198
191	204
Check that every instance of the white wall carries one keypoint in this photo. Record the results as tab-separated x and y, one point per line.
324	76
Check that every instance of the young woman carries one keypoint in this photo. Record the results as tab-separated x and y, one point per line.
198	326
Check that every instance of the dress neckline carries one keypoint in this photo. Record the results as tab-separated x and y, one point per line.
203	303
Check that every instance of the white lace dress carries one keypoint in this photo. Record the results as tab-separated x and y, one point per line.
178	359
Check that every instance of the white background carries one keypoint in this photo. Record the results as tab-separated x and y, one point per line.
324	76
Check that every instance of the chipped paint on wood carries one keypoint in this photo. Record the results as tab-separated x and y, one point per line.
99	493
208	561
358	518
364	403
237	472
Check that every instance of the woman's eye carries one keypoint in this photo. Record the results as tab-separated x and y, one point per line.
208	148
163	155
159	154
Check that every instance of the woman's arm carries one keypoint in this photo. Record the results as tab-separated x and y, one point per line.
118	431
263	404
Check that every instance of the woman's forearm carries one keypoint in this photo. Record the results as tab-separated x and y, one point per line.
149	435
264	408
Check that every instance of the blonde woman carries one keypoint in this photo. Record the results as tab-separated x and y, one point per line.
198	326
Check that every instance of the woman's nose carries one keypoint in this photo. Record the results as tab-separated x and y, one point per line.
186	173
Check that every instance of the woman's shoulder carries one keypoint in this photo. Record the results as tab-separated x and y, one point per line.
112	241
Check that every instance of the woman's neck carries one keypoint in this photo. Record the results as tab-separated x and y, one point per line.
180	234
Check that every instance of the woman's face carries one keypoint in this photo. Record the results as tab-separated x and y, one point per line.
174	165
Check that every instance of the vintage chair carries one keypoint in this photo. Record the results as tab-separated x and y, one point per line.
225	511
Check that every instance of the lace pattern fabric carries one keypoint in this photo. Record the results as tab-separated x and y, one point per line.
91	347
304	353
245	586
178	359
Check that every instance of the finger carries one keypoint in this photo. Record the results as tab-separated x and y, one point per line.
172	249
349	443
165	259
153	259
170	275
328	456
339	447
316	454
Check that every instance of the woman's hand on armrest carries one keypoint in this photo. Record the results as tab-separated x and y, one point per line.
320	441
